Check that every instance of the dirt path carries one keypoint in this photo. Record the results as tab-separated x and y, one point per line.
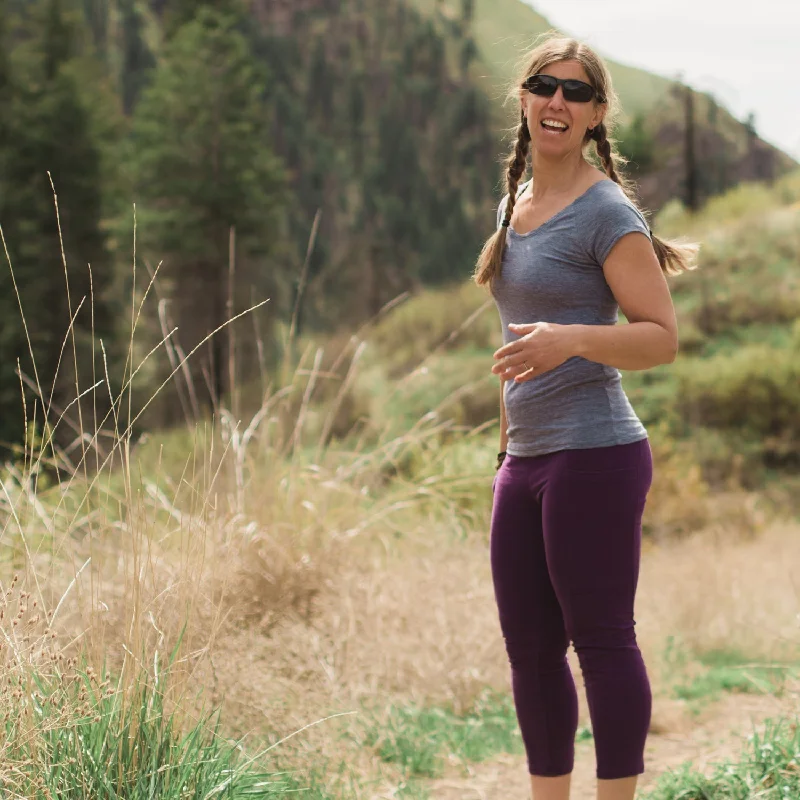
720	732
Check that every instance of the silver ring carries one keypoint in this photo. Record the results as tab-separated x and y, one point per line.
526	365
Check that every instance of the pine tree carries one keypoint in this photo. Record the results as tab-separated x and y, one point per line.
202	167
177	13
58	40
137	60
49	131
96	15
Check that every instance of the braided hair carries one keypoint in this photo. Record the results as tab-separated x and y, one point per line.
516	163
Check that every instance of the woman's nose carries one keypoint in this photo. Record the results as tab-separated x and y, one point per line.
557	100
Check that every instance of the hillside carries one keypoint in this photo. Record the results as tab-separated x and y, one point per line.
343	118
728	151
503	28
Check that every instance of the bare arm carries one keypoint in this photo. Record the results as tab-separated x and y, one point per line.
639	286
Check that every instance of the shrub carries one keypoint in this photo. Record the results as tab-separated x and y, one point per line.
754	392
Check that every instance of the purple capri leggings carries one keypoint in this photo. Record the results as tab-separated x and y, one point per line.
565	547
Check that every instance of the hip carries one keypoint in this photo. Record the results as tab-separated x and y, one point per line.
626	467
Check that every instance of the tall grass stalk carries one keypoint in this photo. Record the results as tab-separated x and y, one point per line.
130	549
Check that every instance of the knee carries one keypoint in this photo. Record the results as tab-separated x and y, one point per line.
604	636
525	651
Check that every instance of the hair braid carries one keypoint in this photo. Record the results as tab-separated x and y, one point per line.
515	165
674	257
491	257
603	146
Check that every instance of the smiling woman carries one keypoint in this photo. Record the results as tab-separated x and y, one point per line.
574	469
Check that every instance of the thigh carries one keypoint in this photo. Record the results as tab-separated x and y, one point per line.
592	512
526	601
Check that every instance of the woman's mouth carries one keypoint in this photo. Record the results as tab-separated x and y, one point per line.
554	126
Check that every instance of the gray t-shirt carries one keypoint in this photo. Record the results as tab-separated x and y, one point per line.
554	274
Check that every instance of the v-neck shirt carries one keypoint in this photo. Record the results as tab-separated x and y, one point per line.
554	273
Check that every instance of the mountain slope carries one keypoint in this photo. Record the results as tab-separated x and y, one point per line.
727	151
504	29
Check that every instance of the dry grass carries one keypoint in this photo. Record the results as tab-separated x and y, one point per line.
415	622
716	594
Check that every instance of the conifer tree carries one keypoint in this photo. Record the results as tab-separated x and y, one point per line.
49	132
203	166
137	60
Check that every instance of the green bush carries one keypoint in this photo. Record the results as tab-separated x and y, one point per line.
743	202
754	392
747	275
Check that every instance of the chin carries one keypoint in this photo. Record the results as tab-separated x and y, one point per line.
553	149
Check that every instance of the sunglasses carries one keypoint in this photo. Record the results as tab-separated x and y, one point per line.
574	91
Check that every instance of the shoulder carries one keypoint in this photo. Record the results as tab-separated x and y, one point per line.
612	206
608	216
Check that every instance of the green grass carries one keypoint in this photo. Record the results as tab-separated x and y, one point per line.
702	678
421	740
768	769
82	738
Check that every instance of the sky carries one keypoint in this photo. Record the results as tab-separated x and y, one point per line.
747	54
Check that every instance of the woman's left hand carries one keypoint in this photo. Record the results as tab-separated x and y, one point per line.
542	345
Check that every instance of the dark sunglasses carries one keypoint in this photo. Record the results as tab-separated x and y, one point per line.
574	91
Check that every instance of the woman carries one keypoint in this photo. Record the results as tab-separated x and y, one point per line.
575	462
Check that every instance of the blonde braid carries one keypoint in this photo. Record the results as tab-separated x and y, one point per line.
515	166
491	257
673	257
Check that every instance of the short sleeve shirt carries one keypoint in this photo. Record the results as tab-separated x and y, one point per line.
554	274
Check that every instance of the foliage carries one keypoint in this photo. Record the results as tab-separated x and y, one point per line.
420	739
71	735
397	151
637	145
754	392
200	168
213	116
767	768
452	318
137	60
49	137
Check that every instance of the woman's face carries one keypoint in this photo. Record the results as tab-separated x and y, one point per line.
560	142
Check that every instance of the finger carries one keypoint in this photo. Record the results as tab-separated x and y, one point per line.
526	375
527	369
508	350
510	363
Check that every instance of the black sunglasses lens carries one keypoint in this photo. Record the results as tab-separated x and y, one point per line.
574	91
578	91
542	85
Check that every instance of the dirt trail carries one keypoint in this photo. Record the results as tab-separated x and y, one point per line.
720	732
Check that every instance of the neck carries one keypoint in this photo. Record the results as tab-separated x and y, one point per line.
556	177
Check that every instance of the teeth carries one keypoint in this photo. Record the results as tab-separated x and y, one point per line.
554	123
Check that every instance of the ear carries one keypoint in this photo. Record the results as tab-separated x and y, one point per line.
599	114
